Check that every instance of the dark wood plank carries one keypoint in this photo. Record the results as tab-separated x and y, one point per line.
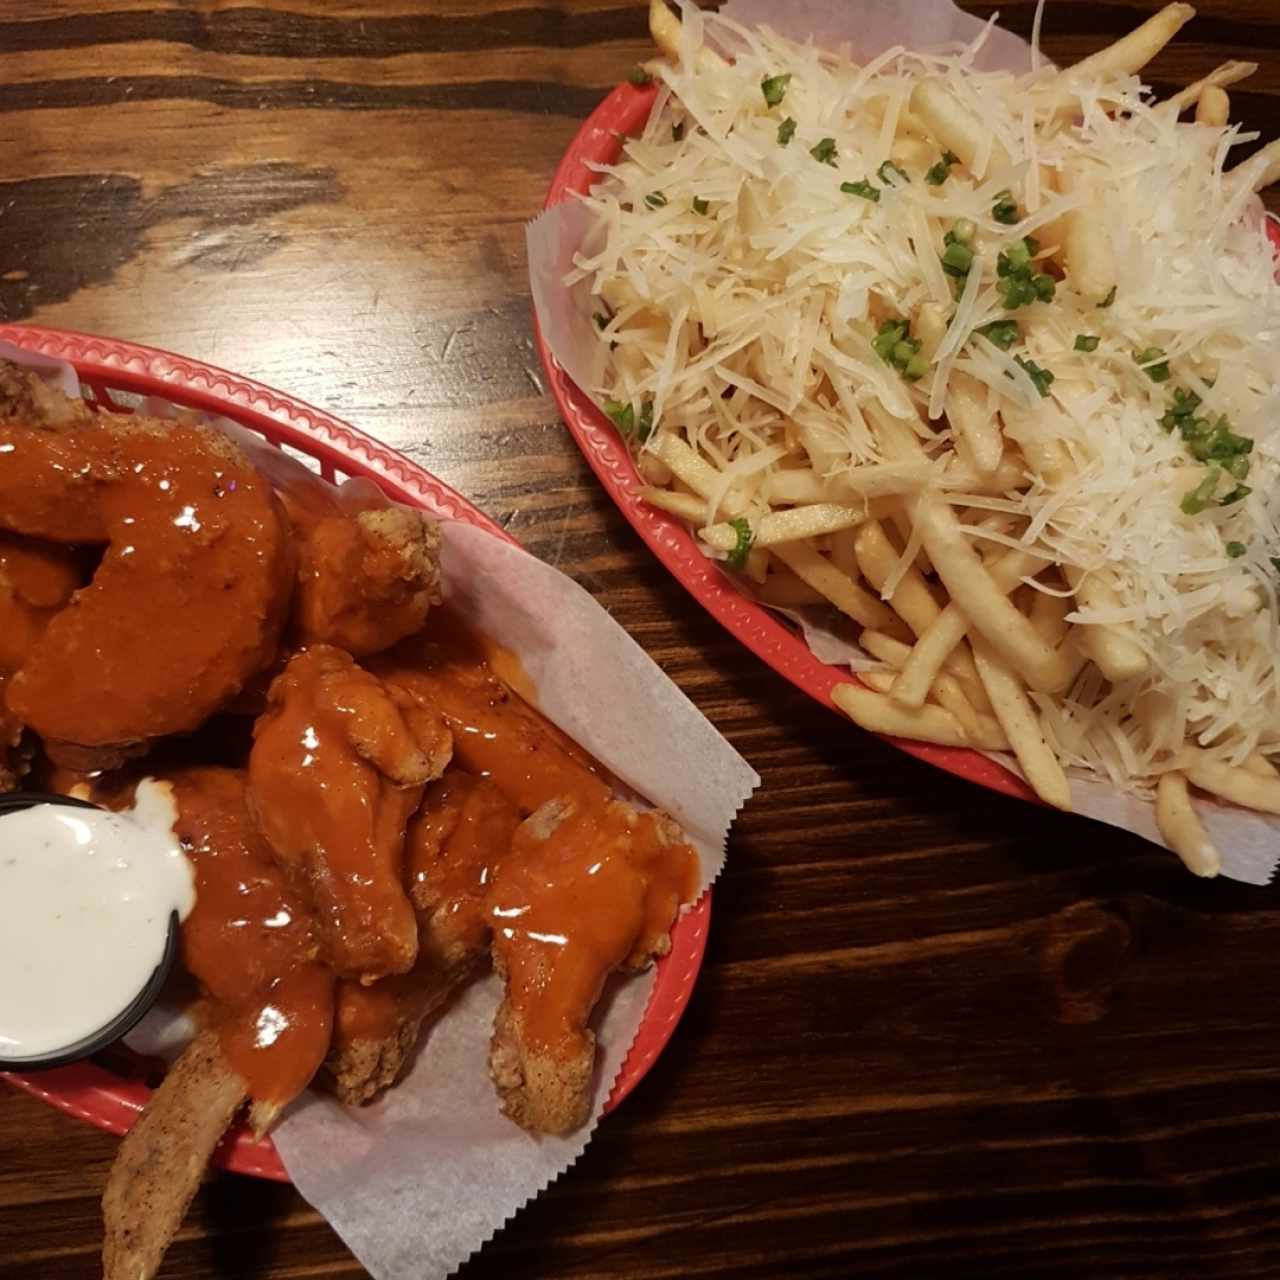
937	1030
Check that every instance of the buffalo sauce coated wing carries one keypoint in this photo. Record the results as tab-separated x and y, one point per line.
588	884
36	580
464	825
251	943
338	765
192	591
586	889
366	579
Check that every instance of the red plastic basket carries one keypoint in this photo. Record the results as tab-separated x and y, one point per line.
118	373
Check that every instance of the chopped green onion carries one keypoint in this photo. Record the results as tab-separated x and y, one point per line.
1042	378
1194	501
1236	494
1005	210
894	345
1004	333
786	131
887	337
940	172
916	367
644	424
1156	372
639	76
888	168
677	131
1111	296
1015	257
824	151
963	229
1235	550
622	415
957	258
655	200
738	556
861	188
1018	284
774	88
701	206
1087	341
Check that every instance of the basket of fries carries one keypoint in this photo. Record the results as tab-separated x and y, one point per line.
920	358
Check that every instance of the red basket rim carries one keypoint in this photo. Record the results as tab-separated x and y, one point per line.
85	1089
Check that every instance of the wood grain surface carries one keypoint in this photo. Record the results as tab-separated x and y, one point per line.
938	1032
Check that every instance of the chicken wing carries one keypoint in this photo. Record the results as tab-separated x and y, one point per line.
587	889
250	943
338	764
463	826
191	594
365	579
36	580
588	886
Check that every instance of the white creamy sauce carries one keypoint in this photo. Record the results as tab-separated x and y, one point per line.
85	901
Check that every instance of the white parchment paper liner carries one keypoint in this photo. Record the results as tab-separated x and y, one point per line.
1250	842
418	1181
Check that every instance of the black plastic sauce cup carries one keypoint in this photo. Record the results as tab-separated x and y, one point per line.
126	1019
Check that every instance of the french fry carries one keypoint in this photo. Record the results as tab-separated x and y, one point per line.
1128	55
954	127
654	470
664	27
788	526
980	730
1181	827
811	567
1214	107
930	328
1021	724
912	600
1086	251
843	555
1049	616
976	427
782	589
984	603
1259	764
1228	73
1261	169
757	565
874	712
684	505
1240	786
1111	646
950	628
958	666
876	480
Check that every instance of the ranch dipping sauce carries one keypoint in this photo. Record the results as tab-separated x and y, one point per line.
86	898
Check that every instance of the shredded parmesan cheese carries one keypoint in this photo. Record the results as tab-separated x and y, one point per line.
741	289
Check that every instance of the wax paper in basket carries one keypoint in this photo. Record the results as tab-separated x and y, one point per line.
1250	842
418	1181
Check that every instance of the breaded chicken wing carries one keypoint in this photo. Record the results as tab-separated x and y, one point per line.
338	765
587	889
464	825
366	579
36	580
191	594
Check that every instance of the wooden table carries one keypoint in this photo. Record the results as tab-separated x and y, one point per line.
937	1030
